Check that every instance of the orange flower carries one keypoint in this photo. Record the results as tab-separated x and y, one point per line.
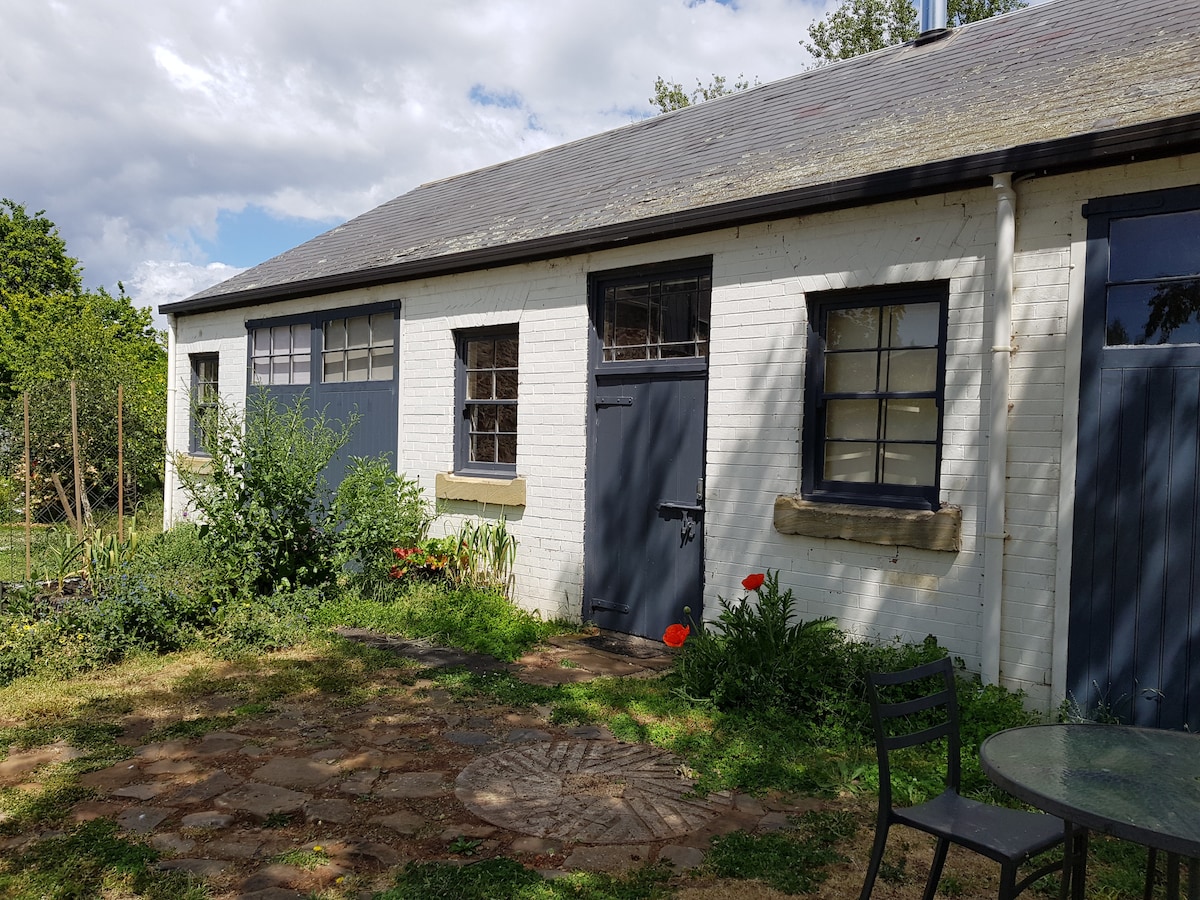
753	582
675	635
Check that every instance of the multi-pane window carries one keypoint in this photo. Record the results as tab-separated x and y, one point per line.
874	396
487	367
281	354
664	318
361	348
1153	279
204	396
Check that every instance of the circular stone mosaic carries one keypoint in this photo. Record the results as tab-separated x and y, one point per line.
592	792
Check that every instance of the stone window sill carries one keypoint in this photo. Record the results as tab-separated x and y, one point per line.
200	465
490	491
929	530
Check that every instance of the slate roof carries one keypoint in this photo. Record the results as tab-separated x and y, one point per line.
1060	85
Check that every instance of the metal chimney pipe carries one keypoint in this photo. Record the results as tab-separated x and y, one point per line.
933	16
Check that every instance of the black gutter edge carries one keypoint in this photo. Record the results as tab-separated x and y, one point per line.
1164	137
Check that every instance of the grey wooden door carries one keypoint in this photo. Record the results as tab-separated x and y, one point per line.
644	528
344	362
1135	617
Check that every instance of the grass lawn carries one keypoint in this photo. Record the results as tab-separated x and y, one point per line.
107	713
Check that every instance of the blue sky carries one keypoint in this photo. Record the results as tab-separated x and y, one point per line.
176	143
248	237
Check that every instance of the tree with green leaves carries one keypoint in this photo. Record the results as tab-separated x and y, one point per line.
862	26
53	332
33	258
670	95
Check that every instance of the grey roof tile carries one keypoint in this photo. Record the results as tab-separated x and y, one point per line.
1062	69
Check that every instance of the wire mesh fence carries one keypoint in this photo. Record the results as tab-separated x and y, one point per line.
74	477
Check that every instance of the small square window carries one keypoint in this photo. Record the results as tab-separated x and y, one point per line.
205	397
873	396
486	386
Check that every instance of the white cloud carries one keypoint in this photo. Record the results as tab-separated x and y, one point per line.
155	282
134	124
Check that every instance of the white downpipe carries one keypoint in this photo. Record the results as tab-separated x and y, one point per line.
169	471
997	466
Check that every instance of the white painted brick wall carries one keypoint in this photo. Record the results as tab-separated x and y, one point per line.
761	274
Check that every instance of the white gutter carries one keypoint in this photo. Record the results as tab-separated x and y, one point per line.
997	465
169	477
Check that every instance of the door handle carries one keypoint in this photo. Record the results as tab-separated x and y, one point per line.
687	531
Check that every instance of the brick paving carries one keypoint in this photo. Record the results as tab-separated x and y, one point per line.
418	776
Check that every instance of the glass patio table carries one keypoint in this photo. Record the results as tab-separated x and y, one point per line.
1138	784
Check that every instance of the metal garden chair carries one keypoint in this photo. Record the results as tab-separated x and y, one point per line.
1010	837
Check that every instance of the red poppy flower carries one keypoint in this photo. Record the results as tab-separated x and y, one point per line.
753	582
675	635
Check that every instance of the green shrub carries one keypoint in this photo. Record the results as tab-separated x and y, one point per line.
275	622
758	657
265	503
377	511
78	634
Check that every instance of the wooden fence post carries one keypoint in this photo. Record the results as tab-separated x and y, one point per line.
28	500
75	458
120	463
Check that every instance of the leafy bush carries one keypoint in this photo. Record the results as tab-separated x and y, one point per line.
275	622
64	637
758	656
265	503
377	510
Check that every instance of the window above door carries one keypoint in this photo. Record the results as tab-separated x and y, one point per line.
1146	250
653	315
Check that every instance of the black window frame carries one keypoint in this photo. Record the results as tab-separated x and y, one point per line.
1101	213
463	465
200	405
813	485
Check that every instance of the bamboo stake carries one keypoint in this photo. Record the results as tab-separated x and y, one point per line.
75	460
120	464
28	500
64	500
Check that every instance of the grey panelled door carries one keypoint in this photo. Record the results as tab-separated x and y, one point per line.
345	363
645	482
1135	616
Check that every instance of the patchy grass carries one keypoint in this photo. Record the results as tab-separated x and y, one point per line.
506	879
92	861
305	857
793	861
188	694
480	621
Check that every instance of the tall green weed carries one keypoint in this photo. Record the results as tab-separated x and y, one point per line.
264	502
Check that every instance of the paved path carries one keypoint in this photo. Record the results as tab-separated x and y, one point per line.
418	776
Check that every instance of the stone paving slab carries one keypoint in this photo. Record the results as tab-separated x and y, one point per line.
262	800
19	763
